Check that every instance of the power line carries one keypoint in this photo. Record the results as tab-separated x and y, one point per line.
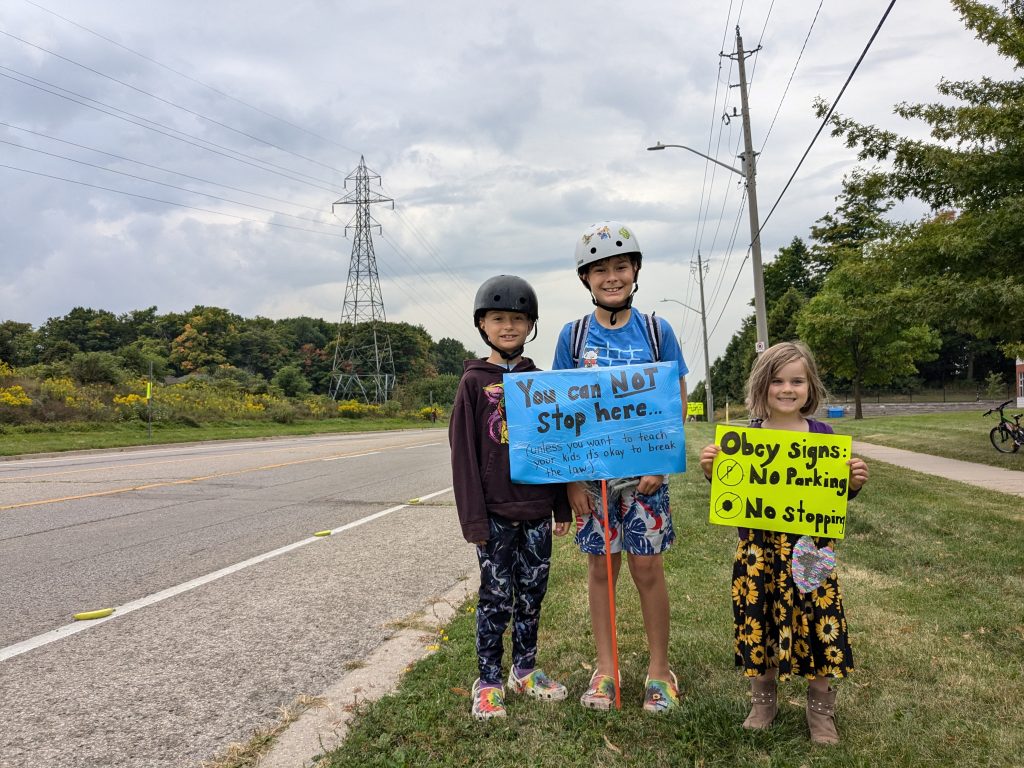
791	74
828	115
167	202
157	167
190	78
164	184
168	102
192	140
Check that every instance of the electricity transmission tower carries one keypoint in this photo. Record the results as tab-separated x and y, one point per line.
364	368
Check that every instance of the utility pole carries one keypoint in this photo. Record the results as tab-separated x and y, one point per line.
704	325
365	368
749	167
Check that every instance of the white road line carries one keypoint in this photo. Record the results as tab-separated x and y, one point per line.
424	445
80	626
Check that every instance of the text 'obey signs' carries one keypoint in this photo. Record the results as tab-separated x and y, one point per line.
794	482
594	423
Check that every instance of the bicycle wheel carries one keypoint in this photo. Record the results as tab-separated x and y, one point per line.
1002	440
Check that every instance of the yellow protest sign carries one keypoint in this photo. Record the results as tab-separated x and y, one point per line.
695	409
776	480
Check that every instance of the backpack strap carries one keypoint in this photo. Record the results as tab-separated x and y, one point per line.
653	334
577	338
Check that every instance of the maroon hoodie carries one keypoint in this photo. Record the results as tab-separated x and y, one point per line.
478	435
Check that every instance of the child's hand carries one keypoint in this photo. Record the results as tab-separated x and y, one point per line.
707	458
858	473
649	484
561	529
579	500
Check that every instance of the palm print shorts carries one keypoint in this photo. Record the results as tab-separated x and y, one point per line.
640	524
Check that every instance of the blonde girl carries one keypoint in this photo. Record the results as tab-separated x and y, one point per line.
780	630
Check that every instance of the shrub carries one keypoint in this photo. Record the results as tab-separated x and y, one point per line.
96	368
353	409
60	390
995	385
14	396
431	414
290	381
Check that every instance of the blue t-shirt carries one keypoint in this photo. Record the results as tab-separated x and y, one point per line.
624	345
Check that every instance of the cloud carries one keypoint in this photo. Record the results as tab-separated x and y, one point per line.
500	129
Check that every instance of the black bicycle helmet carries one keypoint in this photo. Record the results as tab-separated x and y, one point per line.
509	293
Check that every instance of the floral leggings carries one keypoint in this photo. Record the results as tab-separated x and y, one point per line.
514	567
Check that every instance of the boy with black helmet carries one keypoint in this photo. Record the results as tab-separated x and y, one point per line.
510	523
608	259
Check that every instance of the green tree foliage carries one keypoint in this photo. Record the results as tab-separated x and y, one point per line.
17	343
220	344
794	267
782	317
863	326
439	390
89	330
971	172
729	372
449	355
290	381
96	368
411	348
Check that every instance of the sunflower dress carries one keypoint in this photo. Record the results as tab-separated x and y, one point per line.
775	625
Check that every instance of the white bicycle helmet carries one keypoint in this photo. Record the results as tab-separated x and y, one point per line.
600	241
604	239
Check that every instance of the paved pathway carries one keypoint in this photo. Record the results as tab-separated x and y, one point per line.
981	475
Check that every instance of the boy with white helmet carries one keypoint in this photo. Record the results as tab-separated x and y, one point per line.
608	260
510	523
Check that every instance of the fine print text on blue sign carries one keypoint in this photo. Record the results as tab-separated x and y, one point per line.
595	423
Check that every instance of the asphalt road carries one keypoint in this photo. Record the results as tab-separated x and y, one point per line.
190	663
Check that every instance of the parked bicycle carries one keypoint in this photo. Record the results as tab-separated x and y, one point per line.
1007	436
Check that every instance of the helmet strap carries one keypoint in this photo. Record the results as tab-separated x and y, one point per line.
615	310
506	356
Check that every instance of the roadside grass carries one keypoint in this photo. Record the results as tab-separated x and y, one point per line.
932	590
956	435
45	438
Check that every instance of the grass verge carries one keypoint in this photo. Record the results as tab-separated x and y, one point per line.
73	437
932	596
958	435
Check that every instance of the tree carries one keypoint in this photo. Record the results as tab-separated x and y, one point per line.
209	338
194	351
863	327
449	355
17	343
973	170
783	314
730	371
291	381
796	267
96	368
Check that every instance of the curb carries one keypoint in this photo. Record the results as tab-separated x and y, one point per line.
324	728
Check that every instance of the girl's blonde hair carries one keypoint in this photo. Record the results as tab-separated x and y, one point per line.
767	367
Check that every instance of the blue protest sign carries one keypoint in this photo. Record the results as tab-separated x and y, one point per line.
595	423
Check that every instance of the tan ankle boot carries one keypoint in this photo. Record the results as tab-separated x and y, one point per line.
821	716
764	704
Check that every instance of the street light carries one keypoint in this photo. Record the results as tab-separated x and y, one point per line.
708	397
760	313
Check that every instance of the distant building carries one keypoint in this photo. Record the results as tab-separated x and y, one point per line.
1020	383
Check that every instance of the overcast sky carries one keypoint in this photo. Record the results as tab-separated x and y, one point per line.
500	129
